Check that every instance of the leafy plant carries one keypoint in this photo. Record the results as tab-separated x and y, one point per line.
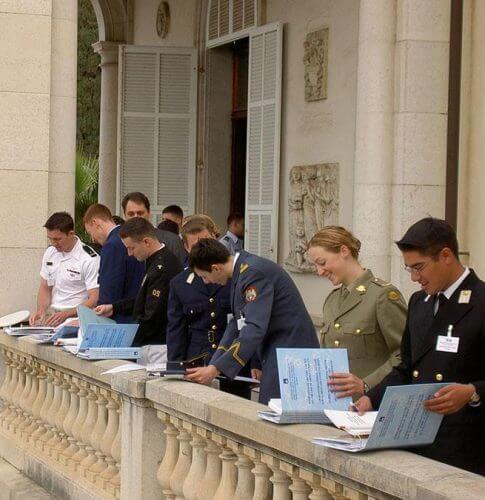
87	168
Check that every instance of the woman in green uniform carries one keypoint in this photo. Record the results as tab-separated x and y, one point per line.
362	314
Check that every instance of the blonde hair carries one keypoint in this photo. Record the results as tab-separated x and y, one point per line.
196	223
333	237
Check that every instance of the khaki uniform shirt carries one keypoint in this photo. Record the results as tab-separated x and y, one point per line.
367	318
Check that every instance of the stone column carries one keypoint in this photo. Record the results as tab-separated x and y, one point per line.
37	136
108	122
475	146
421	113
374	133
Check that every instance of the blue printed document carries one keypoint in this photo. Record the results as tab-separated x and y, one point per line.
96	331
303	378
402	421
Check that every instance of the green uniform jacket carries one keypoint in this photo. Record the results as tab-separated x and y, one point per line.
369	323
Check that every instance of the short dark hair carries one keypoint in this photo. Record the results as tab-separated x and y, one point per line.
118	220
97	211
173	209
234	217
169	225
207	252
135	197
137	229
429	236
61	221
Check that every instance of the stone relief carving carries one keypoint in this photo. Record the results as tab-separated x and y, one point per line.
163	19
313	203
315	59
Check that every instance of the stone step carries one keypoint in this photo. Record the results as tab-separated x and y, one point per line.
15	486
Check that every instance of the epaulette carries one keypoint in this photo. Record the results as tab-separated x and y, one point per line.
90	251
378	281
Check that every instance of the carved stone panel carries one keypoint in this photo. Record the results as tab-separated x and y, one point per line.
313	203
315	59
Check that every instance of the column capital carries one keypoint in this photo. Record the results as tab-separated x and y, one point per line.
108	52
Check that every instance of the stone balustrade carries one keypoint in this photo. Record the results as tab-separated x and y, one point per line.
81	434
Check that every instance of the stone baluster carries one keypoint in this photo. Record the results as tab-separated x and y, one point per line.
29	416
44	411
245	478
184	459
262	485
10	412
298	486
19	387
116	448
314	481
99	429
197	468
279	479
47	438
170	458
88	427
227	486
61	436
336	490
23	411
7	382
213	470
72	414
108	439
37	403
80	446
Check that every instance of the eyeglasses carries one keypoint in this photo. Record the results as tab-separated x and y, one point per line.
418	268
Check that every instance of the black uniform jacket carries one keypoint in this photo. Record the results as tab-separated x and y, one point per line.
149	308
268	313
461	438
197	316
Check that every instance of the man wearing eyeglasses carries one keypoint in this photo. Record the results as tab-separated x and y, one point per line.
451	303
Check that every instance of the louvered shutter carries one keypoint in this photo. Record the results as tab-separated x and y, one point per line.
229	20
157	125
263	140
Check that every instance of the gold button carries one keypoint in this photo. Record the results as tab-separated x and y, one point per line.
415	374
213	314
358	331
214	346
214	327
322	331
337	343
211	300
337	325
439	377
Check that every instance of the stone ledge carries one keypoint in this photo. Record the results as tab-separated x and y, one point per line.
393	472
13	484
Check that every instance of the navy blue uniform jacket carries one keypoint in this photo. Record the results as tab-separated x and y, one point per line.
119	274
460	440
197	316
272	311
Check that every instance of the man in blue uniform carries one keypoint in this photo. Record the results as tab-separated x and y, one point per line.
233	239
450	302
268	313
120	275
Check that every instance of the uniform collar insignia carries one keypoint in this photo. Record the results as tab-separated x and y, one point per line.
190	278
361	289
243	268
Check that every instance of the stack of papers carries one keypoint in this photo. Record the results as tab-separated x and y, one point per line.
305	394
402	421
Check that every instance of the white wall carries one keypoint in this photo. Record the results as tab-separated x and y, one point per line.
321	131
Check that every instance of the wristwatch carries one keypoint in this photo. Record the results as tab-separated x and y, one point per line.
366	388
474	400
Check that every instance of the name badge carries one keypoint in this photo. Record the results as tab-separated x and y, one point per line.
230	317
447	343
241	323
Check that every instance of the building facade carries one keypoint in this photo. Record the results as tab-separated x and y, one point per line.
369	114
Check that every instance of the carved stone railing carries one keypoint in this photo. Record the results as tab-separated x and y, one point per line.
81	434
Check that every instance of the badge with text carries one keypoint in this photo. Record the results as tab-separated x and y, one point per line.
241	323
464	297
447	343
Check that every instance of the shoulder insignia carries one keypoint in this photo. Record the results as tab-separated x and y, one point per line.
380	282
90	251
244	267
361	289
392	295
250	294
190	278
156	293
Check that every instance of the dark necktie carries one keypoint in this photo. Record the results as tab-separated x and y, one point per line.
442	300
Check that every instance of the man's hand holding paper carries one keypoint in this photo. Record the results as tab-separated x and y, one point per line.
450	399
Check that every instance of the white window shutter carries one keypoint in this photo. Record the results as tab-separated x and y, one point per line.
157	125
228	20
263	140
